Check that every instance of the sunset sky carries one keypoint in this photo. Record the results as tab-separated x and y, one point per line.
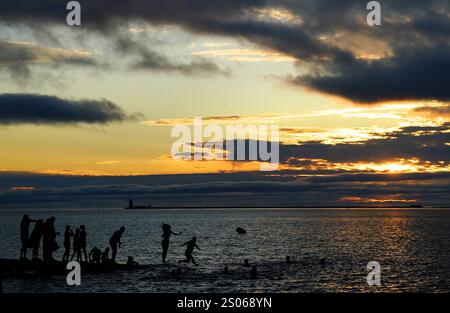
86	111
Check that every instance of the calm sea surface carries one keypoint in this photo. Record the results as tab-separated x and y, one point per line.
412	246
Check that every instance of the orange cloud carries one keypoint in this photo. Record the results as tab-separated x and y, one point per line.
22	188
374	200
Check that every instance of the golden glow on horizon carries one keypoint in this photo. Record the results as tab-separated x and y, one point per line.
22	188
159	166
390	167
377	200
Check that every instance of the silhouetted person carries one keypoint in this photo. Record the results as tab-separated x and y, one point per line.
105	256
246	263
190	245
49	239
167	232
131	262
115	241
225	270
95	255
68	233
35	238
24	235
288	259
77	245
83	241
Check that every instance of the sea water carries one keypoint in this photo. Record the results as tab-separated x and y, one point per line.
329	249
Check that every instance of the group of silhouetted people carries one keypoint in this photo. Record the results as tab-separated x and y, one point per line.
41	230
78	246
77	243
46	231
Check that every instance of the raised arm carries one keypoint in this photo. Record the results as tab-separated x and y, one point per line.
176	233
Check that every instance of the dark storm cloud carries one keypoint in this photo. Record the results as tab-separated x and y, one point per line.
424	143
99	12
411	75
40	109
146	59
152	61
11	52
415	31
19	59
236	189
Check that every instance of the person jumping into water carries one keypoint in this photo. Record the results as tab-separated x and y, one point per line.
114	241
191	244
167	232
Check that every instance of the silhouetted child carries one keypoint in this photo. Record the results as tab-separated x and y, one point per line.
68	233
105	256
115	241
83	241
131	262
24	235
95	255
167	232
77	245
35	238
190	245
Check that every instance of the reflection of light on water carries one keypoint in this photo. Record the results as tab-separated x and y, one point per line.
411	245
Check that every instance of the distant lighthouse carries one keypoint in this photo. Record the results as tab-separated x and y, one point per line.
130	204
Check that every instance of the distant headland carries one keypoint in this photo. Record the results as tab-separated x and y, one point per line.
131	206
